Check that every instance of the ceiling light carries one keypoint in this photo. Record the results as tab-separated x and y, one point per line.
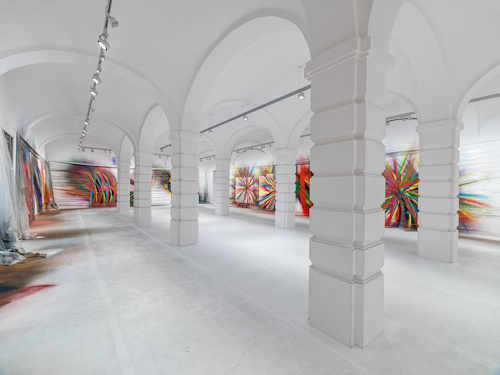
301	95
98	69
96	79
114	22
84	131
103	44
92	150
102	57
210	131
86	122
93	91
245	118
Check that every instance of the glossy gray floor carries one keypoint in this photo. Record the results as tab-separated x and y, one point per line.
236	303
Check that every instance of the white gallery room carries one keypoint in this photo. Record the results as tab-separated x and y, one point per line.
250	187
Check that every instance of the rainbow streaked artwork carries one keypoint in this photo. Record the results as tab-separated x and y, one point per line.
401	192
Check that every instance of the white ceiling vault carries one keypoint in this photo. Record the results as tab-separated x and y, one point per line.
191	64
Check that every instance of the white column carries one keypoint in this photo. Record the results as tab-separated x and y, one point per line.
123	187
222	187
346	285
184	212
285	188
142	187
438	190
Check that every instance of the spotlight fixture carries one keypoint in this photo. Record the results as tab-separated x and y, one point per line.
301	93
245	118
96	79
102	57
113	20
86	122
93	91
102	41
84	131
98	69
92	150
210	131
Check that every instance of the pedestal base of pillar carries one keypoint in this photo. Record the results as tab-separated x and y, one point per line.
123	207
352	313
437	245
183	233
284	219
142	214
221	210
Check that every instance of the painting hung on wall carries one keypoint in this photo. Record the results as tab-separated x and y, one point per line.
82	185
401	191
161	182
253	187
37	184
302	186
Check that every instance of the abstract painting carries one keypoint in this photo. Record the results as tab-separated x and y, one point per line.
401	192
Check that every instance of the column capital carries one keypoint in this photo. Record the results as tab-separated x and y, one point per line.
184	134
184	142
286	155
439	125
143	158
222	164
350	49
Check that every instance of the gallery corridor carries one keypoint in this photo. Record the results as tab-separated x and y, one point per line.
115	298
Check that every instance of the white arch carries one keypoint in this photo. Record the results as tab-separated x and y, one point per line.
63	135
211	143
30	56
483	78
298	129
126	149
236	39
148	129
57	114
236	137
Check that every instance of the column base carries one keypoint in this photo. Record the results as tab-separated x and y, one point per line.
123	207
183	233
142	215
350	312
437	245
221	210
284	219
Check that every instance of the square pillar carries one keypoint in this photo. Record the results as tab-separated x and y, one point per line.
142	187
222	187
123	187
437	236
346	286
184	211
285	188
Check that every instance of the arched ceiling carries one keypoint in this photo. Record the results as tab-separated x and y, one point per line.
233	54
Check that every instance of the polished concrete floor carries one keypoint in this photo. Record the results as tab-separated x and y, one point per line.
123	301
